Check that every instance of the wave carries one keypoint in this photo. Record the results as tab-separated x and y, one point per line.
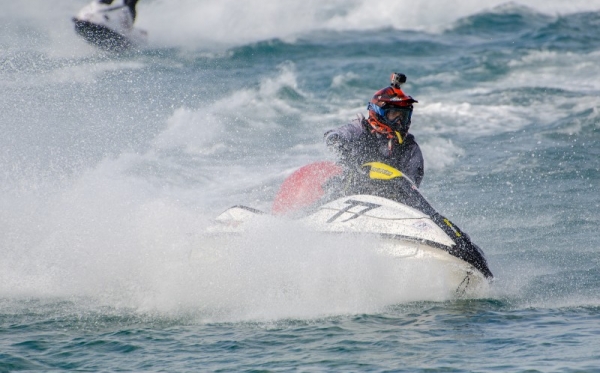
206	23
508	18
570	32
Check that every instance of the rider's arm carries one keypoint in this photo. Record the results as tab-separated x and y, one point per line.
343	135
341	139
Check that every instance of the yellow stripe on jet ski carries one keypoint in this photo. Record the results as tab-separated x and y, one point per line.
382	171
452	226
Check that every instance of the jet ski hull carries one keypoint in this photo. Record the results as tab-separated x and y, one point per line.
460	278
102	36
399	232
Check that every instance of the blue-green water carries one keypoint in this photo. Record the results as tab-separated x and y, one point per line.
112	166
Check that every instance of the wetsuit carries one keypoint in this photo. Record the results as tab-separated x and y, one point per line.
356	145
128	3
131	4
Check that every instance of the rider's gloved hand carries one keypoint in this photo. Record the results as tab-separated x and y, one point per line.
334	141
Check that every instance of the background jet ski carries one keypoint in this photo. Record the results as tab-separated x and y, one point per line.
108	24
402	223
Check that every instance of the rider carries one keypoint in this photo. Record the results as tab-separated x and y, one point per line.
382	137
128	3
131	4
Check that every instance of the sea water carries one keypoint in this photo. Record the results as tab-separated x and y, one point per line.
111	167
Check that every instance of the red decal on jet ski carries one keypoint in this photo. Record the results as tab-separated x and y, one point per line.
304	187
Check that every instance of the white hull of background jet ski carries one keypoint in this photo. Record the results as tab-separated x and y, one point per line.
109	27
401	232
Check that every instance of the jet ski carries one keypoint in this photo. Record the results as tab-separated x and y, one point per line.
108	24
403	224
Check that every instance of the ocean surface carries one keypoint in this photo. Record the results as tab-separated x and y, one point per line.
112	166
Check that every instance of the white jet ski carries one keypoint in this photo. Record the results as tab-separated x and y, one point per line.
108	24
403	232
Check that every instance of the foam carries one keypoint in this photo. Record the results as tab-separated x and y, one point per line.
549	67
122	242
467	119
245	110
231	22
87	73
281	270
440	153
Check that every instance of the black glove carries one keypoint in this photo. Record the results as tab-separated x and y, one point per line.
334	141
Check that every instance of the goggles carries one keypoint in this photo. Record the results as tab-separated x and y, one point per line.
398	116
394	116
